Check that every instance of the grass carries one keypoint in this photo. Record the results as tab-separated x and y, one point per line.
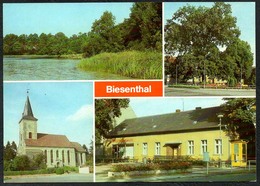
133	64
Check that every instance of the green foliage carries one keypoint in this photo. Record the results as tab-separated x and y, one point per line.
21	163
153	166
196	34
39	161
10	151
240	118
185	86
69	169
105	111
59	171
134	64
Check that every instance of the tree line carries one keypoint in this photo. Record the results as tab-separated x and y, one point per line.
205	42
141	31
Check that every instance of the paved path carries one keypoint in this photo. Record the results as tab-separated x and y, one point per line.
170	91
197	175
72	177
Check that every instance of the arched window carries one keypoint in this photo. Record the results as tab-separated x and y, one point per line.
57	154
30	135
45	154
68	156
63	156
51	156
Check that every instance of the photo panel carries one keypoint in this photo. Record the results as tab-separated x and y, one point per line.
174	139
209	50
48	130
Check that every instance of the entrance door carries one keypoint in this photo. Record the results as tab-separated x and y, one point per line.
239	154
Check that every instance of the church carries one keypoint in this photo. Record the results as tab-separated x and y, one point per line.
58	150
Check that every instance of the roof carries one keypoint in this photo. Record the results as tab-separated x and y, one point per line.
27	112
78	147
195	120
49	140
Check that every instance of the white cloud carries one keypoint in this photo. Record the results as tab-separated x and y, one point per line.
85	112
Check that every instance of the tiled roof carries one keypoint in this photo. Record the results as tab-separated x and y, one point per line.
201	119
49	140
78	147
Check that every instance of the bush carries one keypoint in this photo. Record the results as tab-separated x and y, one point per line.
59	170
154	166
70	169
185	86
21	163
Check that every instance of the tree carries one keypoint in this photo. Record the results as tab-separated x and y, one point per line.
39	161
240	58
105	111
10	151
200	32
86	149
21	163
143	28
240	118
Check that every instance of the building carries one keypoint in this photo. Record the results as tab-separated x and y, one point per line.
189	133
57	149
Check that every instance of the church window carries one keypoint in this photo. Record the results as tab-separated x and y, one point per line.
68	156
63	156
81	157
45	154
30	135
57	154
51	156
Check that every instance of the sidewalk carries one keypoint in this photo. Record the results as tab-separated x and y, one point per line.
101	175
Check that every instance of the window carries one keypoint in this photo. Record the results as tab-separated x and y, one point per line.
204	147
157	148
51	156
63	156
30	135
145	150
45	154
68	152
57	154
218	146
190	147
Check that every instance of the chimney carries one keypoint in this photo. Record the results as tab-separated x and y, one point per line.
178	110
198	108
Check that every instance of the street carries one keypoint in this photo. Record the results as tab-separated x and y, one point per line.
170	91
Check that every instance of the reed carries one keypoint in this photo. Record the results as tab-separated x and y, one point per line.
133	64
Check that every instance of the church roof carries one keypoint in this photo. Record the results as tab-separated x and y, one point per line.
179	122
78	147
49	140
27	112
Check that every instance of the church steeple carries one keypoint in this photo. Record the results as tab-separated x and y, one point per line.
27	112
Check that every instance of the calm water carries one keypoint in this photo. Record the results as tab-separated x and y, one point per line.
16	69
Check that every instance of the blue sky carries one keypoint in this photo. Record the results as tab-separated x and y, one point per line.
243	11
69	18
154	106
61	108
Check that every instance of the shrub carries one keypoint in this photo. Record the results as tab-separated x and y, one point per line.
70	169
185	86
21	163
59	170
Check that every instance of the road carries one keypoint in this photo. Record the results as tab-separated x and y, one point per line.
197	175
170	91
72	177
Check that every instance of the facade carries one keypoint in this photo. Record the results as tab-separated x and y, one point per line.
58	150
189	133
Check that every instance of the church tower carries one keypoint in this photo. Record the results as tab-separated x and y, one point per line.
27	126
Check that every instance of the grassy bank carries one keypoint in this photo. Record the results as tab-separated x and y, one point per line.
134	64
67	56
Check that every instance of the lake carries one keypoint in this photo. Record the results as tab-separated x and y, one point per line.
18	69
